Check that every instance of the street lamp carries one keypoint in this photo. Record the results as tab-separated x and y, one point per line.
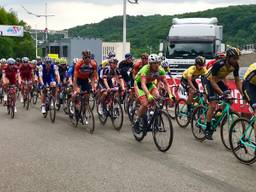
46	23
124	22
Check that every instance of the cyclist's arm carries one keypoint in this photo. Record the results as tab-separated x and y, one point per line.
57	75
105	81
18	77
166	85
191	83
40	75
215	86
144	86
94	79
5	80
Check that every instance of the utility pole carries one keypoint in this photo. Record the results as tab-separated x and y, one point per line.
46	24
124	22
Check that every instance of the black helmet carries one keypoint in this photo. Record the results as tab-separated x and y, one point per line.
200	61
232	52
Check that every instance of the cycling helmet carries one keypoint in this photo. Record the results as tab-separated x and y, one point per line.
47	60
75	60
200	61
3	61
128	56
111	54
93	56
34	62
87	53
165	64
11	61
153	58
25	59
113	60
232	52
18	60
63	61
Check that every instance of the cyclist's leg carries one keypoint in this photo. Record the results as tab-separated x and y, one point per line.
141	96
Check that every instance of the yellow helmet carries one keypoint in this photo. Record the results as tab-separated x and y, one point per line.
63	61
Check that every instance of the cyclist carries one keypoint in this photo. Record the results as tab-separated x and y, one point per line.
189	76
71	70
2	65
10	75
140	63
214	82
85	74
63	70
125	67
249	87
26	74
145	89
111	55
111	73
18	61
48	76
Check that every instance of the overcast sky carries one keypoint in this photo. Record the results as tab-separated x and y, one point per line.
70	13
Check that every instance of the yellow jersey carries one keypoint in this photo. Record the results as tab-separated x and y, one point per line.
194	72
250	74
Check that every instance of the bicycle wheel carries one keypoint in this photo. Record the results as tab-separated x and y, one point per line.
52	109
126	103
58	102
181	113
198	122
225	127
12	113
132	107
92	101
72	114
102	114
163	132
88	120
241	138
34	97
117	115
138	136
170	108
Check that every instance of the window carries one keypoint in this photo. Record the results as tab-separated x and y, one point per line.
65	51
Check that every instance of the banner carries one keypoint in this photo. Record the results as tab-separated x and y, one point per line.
53	56
11	30
238	105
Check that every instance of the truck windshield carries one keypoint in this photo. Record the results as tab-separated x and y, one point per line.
189	50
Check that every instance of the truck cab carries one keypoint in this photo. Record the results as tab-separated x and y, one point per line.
189	38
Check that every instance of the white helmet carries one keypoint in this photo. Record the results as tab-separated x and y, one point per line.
154	58
11	61
75	60
3	61
34	62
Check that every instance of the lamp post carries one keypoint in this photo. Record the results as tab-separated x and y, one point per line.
124	21
46	23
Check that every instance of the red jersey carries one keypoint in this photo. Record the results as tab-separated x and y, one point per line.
11	73
138	65
210	63
26	72
84	71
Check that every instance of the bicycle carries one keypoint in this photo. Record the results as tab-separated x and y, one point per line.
50	103
11	100
222	118
1	93
111	108
159	123
80	110
35	93
242	138
182	115
26	94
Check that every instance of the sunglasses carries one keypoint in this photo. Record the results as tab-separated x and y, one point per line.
144	58
87	57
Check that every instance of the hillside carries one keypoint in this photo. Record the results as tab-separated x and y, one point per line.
239	24
15	46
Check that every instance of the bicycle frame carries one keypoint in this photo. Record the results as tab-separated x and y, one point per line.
250	128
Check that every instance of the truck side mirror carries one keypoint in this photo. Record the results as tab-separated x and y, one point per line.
161	48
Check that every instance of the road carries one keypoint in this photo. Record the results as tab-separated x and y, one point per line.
36	155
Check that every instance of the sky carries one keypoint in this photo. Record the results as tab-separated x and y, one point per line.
70	13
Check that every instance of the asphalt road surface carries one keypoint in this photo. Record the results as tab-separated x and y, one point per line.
36	155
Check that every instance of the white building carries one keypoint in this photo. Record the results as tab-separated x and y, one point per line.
117	47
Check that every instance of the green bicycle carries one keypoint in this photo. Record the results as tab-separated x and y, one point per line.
222	118
242	138
181	110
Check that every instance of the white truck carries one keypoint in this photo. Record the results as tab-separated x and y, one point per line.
189	38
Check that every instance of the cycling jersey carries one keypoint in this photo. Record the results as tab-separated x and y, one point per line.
84	71
211	63
11	73
26	72
193	72
63	73
250	74
148	75
71	71
48	75
138	65
109	74
221	70
126	72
